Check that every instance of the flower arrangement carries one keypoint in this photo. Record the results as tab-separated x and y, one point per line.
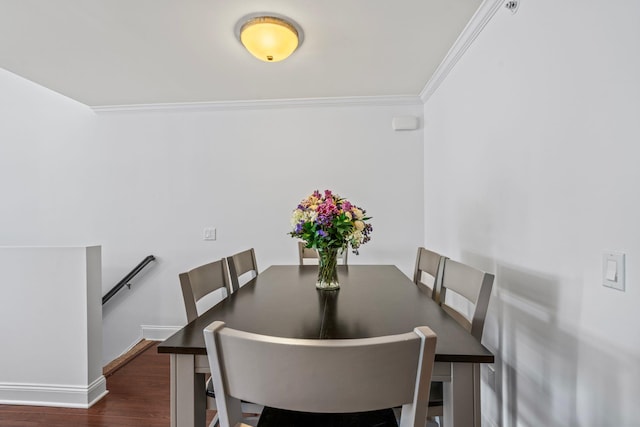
329	221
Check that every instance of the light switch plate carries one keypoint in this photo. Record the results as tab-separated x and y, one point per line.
613	267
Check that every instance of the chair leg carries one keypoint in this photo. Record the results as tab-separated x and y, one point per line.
215	422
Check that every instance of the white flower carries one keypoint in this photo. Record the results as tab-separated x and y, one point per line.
355	238
310	216
296	217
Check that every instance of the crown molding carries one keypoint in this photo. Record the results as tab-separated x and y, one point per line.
480	19
402	100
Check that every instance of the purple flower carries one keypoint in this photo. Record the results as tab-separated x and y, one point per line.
325	219
322	233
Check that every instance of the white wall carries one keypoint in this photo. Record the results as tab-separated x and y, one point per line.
44	147
44	144
51	356
164	176
531	172
141	183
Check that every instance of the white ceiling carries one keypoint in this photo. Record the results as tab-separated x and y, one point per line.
132	52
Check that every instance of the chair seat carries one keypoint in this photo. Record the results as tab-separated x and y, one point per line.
272	417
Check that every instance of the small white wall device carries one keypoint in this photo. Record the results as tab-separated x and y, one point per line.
613	270
405	123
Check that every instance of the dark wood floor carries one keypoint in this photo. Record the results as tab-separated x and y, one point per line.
138	397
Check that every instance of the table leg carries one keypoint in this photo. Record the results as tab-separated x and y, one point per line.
462	396
188	398
477	414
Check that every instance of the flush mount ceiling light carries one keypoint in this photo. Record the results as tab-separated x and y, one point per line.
269	37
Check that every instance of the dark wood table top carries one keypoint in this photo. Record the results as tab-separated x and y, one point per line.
373	300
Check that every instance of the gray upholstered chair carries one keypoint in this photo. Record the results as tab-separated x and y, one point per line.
310	255
429	263
240	264
202	288
348	376
472	285
200	283
464	295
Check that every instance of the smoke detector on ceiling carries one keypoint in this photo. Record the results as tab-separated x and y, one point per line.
512	5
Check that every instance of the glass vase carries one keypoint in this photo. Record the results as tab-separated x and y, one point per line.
327	269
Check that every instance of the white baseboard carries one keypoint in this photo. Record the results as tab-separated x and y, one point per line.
151	333
158	333
66	396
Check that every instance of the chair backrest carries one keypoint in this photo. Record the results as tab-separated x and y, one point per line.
200	282
321	376
309	254
431	263
241	263
472	284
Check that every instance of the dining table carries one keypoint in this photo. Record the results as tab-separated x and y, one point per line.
373	300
